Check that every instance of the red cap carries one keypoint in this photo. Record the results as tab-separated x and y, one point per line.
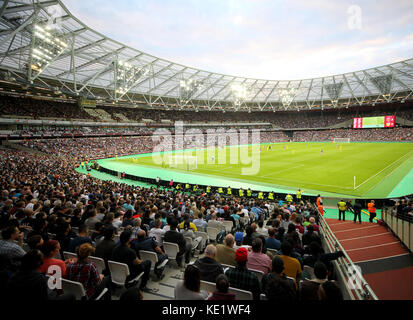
241	255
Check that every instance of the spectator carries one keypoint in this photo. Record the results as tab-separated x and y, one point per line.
276	285
50	249
79	240
222	285
261	229
208	266
157	232
124	254
176	237
97	232
311	236
200	223
149	244
10	250
28	284
187	221
292	267
330	292
258	260
189	288
248	237
86	272
92	220
316	254
271	242
105	247
240	277
35	242
226	252
309	288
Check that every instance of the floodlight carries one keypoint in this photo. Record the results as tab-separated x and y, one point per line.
239	93
46	47
187	89
287	96
127	75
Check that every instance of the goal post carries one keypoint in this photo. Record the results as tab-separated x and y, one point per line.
341	140
183	162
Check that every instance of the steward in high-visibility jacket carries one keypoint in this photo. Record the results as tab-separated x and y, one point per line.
249	193
220	190
229	191
289	198
261	195
241	192
187	186
195	188
208	189
298	195
178	186
271	196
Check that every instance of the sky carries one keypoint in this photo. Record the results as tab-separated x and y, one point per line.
263	39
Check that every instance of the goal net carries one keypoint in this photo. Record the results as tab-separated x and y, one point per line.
183	162
341	140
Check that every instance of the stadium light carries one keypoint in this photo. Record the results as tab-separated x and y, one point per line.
239	93
187	89
127	75
46	46
287	96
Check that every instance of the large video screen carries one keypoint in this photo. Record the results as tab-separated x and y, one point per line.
374	122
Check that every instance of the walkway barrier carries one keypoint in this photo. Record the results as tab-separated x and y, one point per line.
350	274
402	227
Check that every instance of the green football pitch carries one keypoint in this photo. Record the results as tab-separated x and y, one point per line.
345	169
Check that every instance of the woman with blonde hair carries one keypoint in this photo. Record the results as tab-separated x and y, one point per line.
86	272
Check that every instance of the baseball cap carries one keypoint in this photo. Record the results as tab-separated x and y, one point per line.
241	255
239	236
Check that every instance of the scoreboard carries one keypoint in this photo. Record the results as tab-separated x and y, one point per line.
374	122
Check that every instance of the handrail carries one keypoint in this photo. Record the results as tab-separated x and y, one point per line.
360	290
401	226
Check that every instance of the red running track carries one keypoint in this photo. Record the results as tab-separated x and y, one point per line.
370	242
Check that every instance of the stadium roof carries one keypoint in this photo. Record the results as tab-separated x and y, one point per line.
43	44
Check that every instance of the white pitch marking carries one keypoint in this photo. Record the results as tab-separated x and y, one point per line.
385	169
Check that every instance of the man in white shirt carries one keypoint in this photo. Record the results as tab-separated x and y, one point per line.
157	232
261	229
117	222
214	223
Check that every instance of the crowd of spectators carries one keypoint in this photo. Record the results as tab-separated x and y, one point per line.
43	201
104	147
47	208
35	108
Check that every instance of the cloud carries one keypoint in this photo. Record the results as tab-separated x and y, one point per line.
257	38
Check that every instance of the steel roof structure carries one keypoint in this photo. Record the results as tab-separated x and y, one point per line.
79	61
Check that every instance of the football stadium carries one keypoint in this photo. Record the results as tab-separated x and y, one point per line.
127	176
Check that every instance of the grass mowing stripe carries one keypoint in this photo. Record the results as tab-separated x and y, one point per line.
386	168
303	166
